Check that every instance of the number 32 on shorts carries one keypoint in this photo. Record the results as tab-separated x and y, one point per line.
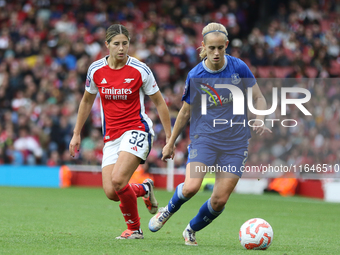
137	138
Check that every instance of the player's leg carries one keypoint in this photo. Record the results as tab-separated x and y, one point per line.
107	183
198	150
212	208
144	189
224	185
139	190
134	147
139	143
110	157
121	174
182	194
189	188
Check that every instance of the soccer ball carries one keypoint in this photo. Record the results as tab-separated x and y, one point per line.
256	234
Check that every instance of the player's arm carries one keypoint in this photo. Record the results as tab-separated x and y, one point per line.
83	113
181	121
261	104
163	112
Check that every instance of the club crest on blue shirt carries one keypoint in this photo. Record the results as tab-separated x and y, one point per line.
235	78
193	153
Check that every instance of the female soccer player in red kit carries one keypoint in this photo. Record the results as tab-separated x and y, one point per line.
122	82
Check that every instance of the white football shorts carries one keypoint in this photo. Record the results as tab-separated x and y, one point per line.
136	142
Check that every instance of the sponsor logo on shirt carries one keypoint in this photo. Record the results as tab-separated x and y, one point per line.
116	94
205	88
113	91
87	84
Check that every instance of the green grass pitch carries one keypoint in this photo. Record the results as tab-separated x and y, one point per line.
84	221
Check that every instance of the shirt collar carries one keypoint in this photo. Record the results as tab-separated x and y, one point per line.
215	71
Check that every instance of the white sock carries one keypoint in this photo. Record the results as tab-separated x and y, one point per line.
147	190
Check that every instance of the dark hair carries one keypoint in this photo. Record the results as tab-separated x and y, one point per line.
114	30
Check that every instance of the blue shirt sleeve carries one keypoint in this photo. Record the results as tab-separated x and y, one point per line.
245	73
186	93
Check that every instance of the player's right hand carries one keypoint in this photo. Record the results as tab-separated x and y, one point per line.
260	128
74	145
168	151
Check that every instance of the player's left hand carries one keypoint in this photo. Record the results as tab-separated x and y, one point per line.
168	152
74	145
259	127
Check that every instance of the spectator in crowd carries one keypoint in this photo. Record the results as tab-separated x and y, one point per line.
29	147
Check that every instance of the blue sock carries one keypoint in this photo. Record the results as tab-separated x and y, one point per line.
177	199
205	216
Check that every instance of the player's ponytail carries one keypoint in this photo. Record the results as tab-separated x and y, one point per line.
212	28
114	30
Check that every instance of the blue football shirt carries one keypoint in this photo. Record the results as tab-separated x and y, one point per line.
234	132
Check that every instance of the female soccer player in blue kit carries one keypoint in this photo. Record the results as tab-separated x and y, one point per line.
212	145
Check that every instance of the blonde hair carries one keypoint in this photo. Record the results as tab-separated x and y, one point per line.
212	28
114	30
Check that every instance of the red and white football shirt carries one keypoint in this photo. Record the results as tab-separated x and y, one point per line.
122	94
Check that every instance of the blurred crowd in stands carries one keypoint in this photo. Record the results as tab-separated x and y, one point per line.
47	46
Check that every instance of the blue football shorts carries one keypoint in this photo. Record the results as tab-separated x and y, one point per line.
217	157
